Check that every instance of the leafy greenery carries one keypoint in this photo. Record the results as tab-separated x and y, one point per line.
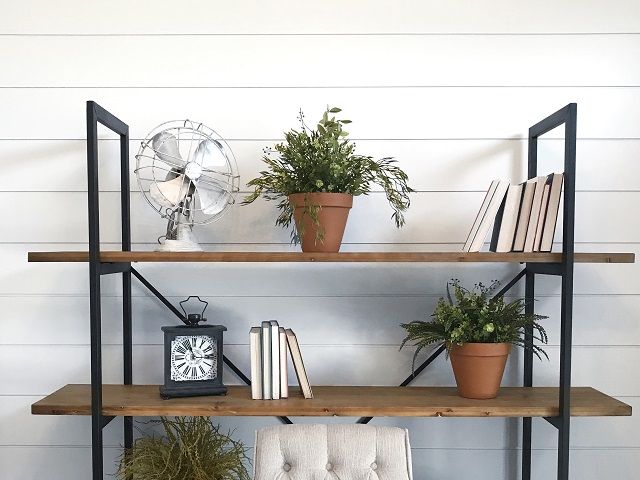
474	317
192	448
324	160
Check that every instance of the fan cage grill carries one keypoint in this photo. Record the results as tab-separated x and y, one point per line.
157	166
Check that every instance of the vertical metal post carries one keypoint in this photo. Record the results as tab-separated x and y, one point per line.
127	329
566	303
528	379
94	293
95	115
532	171
566	116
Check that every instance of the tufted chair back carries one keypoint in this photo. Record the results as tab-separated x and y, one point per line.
332	452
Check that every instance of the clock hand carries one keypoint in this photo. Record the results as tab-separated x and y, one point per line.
204	356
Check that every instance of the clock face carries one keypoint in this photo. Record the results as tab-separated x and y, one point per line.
193	357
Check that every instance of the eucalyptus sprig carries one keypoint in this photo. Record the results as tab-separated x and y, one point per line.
324	160
472	316
191	448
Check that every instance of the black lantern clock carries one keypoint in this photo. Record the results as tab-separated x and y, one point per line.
193	357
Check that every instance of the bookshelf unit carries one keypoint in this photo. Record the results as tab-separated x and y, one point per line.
104	402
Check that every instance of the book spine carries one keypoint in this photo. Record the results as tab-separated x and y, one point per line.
266	359
513	202
284	372
275	360
549	227
480	215
256	363
541	218
536	204
298	364
493	244
489	216
522	223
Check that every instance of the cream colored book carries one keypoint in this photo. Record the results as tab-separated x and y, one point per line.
275	360
256	362
284	370
298	364
549	227
265	344
541	217
536	205
509	218
489	215
480	215
524	215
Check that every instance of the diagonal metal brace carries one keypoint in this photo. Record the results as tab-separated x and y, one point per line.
513	281
555	421
545	268
158	295
105	420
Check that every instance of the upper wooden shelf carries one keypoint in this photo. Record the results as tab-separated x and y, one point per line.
144	400
434	257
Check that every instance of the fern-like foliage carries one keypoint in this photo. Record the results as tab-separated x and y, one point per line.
191	448
324	160
473	316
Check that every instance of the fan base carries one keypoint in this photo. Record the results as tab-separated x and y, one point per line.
185	241
179	246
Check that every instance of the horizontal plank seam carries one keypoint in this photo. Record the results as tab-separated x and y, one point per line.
324	34
301	87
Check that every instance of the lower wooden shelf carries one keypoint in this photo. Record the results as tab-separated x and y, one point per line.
144	400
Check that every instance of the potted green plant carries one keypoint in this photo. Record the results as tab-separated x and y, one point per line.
191	448
478	331
313	170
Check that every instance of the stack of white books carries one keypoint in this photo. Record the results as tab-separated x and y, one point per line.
523	215
269	344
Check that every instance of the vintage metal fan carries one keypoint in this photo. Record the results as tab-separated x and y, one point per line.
188	174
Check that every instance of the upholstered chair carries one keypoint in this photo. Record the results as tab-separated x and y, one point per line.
332	452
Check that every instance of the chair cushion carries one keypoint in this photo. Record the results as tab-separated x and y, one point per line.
332	452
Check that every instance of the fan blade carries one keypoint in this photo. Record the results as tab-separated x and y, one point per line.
209	154
171	192
165	145
213	198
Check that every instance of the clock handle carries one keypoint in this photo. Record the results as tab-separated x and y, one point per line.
197	317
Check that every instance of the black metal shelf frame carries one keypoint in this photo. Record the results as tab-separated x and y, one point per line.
98	115
566	116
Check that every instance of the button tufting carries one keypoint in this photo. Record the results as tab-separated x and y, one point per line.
374	465
329	466
286	467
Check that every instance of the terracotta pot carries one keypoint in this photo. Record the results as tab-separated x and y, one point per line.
334	210
478	368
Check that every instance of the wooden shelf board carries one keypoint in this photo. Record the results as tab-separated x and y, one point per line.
144	400
434	257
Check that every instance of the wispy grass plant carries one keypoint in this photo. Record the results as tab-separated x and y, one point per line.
190	449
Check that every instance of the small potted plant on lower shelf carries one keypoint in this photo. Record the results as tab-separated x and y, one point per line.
478	331
314	174
191	448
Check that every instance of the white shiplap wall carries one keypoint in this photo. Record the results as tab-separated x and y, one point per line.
449	88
